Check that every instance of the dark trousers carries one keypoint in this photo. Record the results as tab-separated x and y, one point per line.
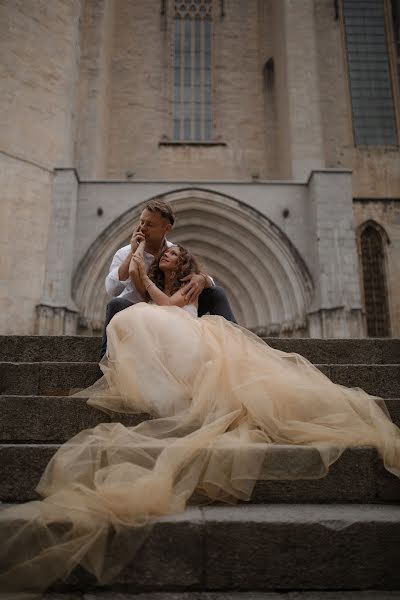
212	300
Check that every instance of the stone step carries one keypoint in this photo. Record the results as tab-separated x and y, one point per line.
60	378
55	419
46	378
265	548
230	595
358	475
82	348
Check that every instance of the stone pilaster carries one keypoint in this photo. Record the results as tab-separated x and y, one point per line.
94	86
336	308
57	313
298	88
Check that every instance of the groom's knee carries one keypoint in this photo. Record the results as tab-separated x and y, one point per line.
115	305
216	302
213	300
215	294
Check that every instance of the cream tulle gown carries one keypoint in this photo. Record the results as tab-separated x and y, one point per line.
219	398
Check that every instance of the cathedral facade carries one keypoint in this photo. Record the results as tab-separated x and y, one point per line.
272	127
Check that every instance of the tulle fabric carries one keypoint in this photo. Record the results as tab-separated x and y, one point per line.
220	401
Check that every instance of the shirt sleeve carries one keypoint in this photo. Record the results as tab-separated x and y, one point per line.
114	287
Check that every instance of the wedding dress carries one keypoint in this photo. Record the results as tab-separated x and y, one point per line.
219	400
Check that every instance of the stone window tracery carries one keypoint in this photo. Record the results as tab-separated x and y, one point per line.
192	99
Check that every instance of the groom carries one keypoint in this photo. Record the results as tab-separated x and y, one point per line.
156	221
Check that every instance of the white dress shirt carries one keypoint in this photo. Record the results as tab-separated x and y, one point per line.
126	289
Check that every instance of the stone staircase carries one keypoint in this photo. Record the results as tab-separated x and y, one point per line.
332	538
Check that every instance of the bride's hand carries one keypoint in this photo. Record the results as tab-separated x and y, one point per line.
137	265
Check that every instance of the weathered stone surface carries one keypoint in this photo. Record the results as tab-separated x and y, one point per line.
19	378
171	557
46	378
48	419
294	595
358	476
341	351
34	348
379	380
56	418
351	479
21	468
60	378
266	548
301	546
85	348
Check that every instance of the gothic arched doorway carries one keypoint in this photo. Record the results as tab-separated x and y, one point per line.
372	239
266	279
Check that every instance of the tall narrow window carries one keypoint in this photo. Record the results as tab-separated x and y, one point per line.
371	90
192	71
395	5
374	282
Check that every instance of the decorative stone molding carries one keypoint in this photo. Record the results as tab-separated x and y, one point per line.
266	279
56	320
200	9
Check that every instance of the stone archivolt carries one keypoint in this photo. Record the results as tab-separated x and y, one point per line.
267	281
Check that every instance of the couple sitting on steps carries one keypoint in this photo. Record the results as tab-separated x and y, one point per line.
123	282
219	398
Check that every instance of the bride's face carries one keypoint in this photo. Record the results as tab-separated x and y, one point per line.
169	259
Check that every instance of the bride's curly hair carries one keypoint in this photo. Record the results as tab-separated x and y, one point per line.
186	265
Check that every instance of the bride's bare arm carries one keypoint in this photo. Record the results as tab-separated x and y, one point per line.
158	296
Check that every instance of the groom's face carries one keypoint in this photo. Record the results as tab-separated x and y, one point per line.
153	226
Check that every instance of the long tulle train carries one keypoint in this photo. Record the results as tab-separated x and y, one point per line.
220	401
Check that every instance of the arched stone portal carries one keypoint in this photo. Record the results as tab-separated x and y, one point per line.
266	279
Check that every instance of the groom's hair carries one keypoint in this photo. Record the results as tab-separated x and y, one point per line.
163	208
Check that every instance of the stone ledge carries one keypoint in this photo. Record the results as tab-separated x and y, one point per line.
61	378
293	595
55	419
86	348
265	548
357	477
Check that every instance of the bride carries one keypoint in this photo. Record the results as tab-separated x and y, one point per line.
218	398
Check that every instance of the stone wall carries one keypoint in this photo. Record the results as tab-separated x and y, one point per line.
87	85
39	52
142	92
24	219
376	172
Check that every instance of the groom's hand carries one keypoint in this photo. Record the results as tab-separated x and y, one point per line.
195	284
137	237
